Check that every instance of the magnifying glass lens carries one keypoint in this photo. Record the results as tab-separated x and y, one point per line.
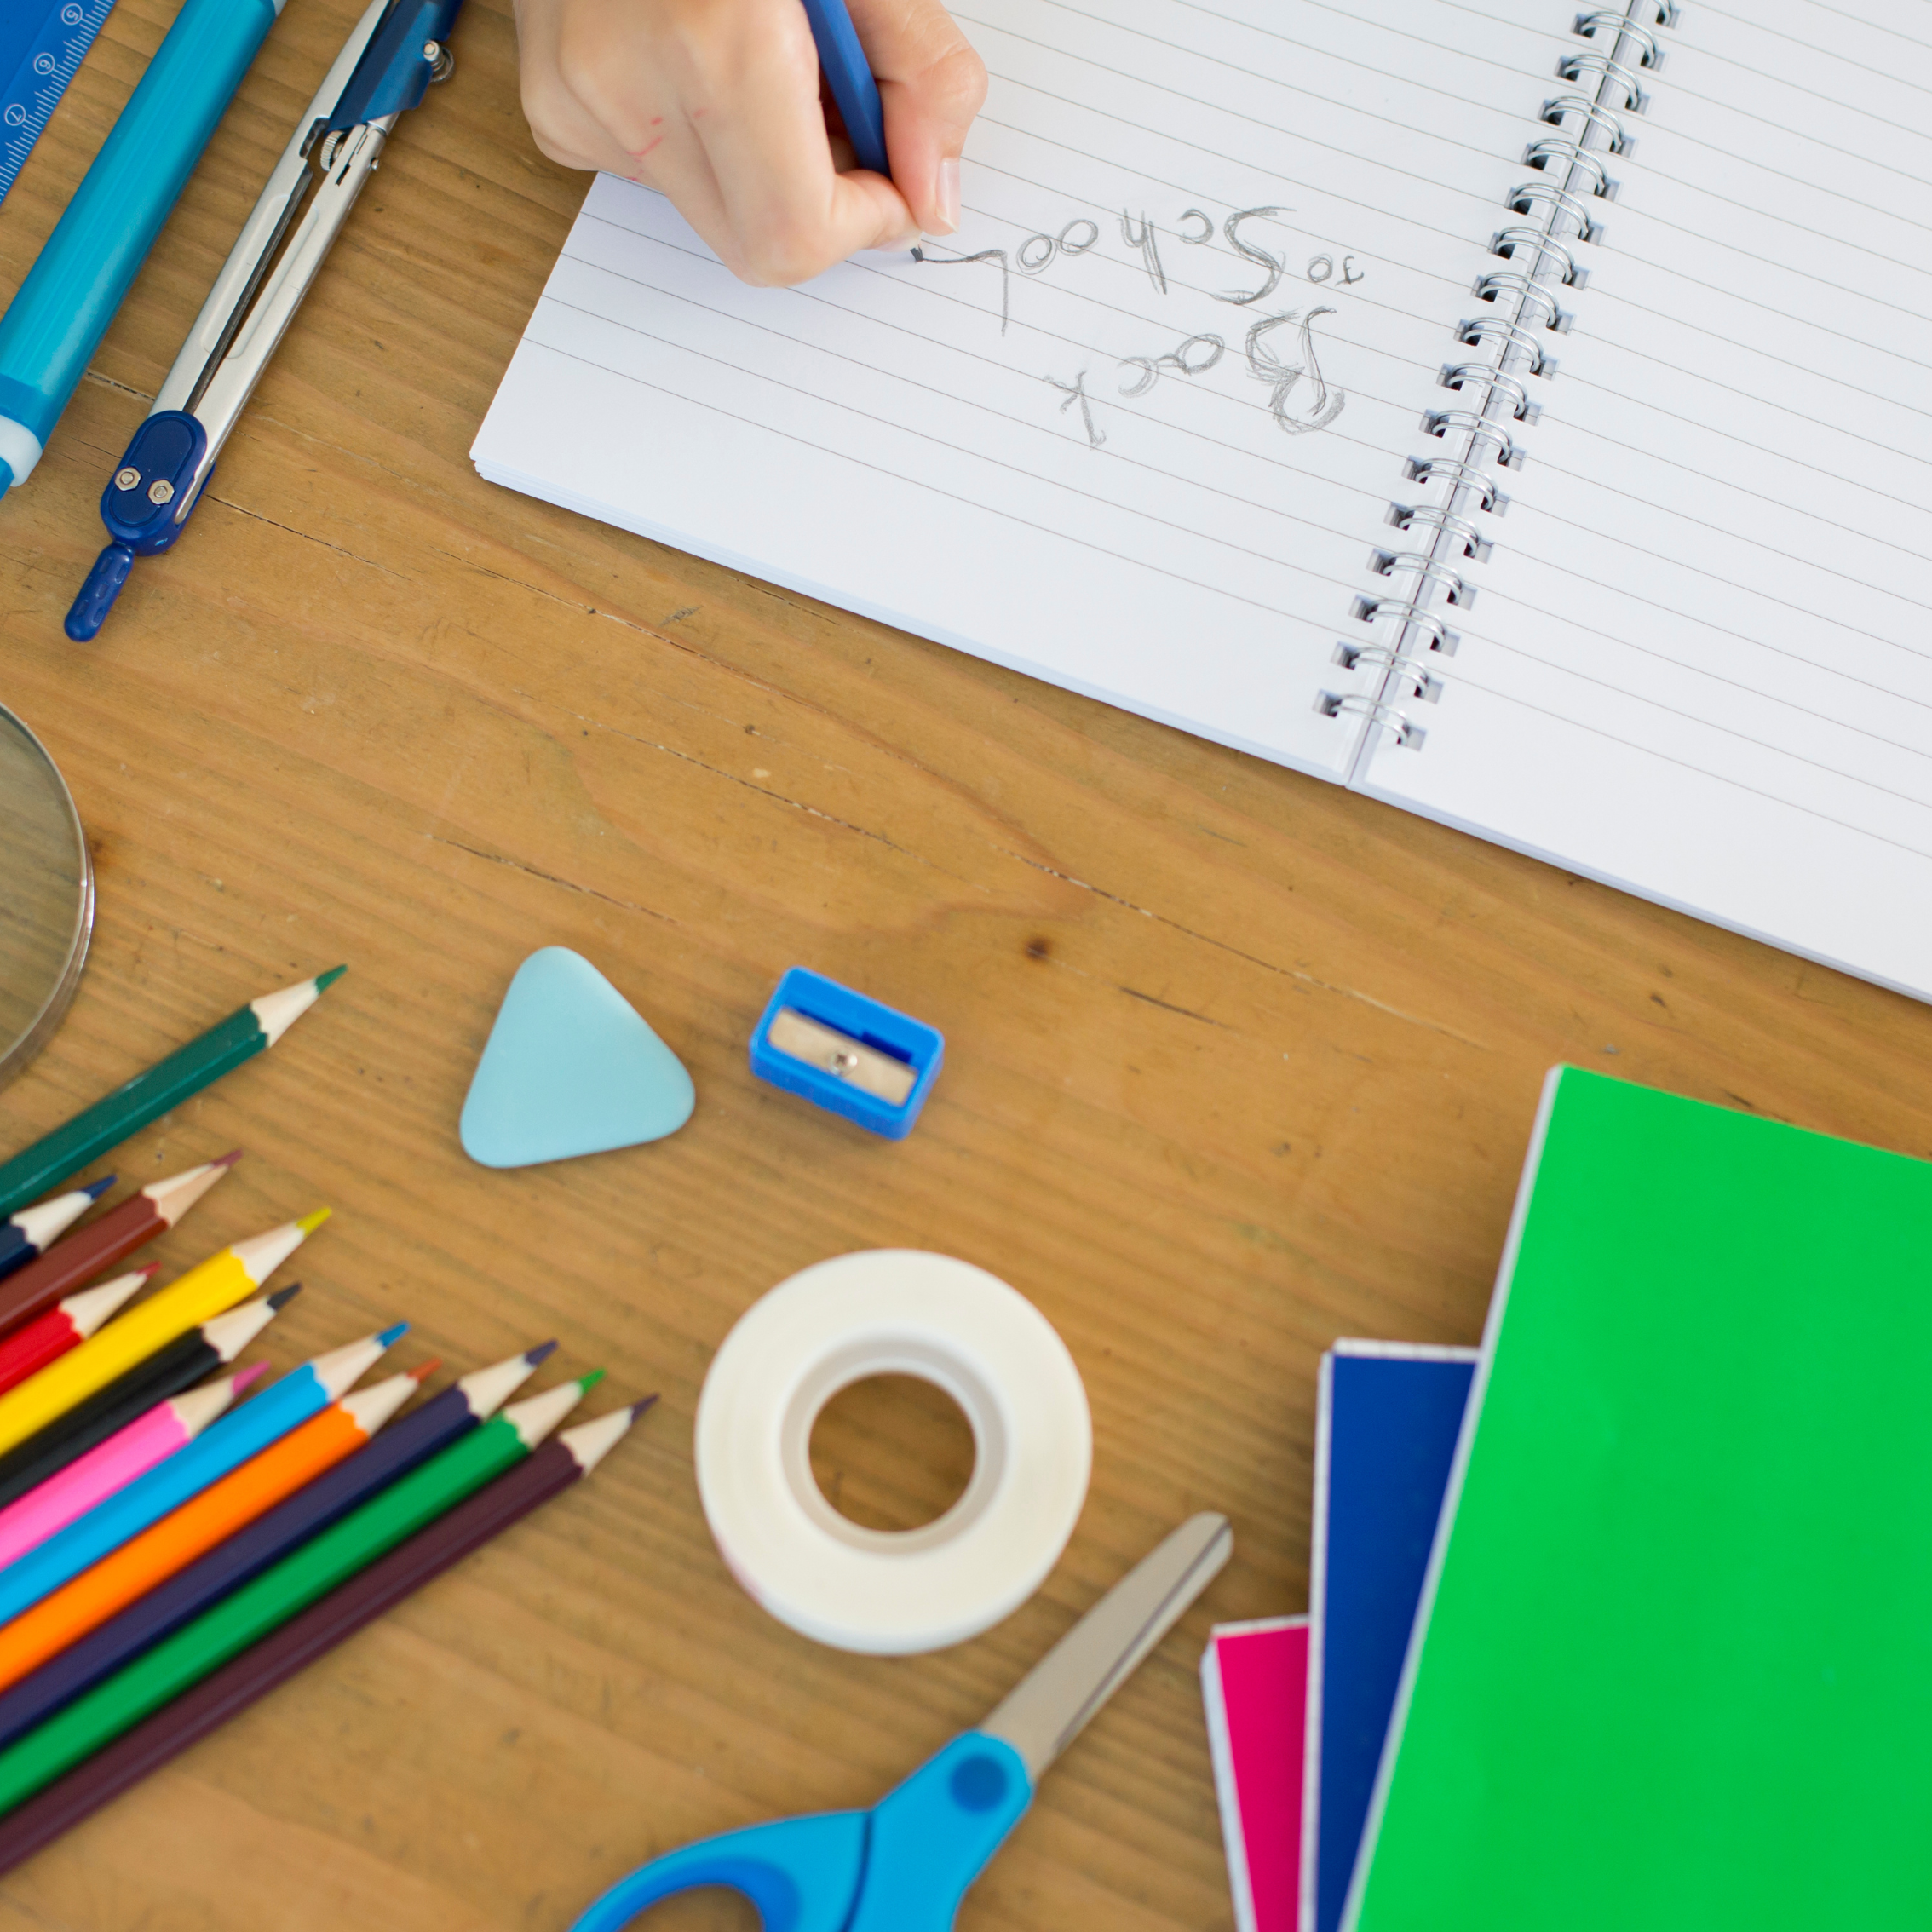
46	896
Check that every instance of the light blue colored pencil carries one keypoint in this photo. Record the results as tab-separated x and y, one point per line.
226	1446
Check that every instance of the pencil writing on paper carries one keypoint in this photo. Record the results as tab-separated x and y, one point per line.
1301	398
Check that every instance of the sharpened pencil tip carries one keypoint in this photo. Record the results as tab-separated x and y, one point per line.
324	980
585	1383
427	1369
282	1296
540	1353
94	1189
228	1160
309	1223
389	1337
639	1407
253	1373
148	1270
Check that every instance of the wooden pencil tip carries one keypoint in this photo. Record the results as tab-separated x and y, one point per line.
94	1189
639	1407
585	1383
324	980
427	1369
282	1296
309	1223
227	1159
541	1353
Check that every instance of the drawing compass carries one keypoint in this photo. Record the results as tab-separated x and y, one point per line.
396	49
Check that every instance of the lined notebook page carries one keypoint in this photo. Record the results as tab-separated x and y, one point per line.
1699	661
1116	432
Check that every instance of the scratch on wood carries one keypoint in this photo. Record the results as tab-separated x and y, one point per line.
550	878
1293	972
1168	1006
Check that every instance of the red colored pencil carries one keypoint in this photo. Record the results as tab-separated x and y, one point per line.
113	1238
279	1656
64	1325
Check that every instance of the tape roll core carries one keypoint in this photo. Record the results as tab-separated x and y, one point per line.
893	1311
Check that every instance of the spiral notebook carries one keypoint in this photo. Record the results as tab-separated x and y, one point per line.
1520	413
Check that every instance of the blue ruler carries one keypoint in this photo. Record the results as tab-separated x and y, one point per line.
42	44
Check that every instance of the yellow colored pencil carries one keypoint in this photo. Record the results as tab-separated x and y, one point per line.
217	1284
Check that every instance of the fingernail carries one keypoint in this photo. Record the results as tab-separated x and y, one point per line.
945	195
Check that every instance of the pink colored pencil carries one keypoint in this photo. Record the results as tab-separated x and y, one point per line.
114	1464
65	1325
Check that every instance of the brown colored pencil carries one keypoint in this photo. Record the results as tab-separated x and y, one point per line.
153	1211
298	1643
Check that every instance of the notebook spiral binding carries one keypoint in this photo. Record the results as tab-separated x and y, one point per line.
1407	633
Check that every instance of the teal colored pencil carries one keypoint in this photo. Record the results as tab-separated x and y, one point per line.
322	1564
252	1030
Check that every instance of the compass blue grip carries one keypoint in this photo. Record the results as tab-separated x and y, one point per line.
801	1874
97	594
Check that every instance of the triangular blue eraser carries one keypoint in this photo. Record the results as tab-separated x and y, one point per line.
570	1068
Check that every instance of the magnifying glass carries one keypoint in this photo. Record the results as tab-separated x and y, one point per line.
46	896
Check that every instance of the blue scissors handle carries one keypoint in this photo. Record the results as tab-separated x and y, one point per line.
902	1866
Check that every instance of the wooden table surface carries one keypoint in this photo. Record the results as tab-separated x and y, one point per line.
1237	1063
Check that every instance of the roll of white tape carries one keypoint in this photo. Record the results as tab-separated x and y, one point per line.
893	1311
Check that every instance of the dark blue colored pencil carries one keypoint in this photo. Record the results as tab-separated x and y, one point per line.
27	1235
185	1595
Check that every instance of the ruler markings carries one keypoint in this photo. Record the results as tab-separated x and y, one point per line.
31	86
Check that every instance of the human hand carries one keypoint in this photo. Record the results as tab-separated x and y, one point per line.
717	103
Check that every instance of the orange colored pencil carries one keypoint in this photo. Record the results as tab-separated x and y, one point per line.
177	1540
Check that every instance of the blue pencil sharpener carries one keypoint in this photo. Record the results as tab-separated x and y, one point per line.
846	1053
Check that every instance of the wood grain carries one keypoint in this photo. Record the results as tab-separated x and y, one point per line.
1237	1063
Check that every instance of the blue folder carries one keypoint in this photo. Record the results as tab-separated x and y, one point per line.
1385	1434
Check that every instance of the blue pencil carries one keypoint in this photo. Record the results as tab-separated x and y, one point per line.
184	1596
229	1444
27	1235
849	77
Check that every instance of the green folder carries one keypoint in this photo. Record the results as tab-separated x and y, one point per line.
1672	1670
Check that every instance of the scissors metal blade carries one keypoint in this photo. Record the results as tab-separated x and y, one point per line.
1052	1704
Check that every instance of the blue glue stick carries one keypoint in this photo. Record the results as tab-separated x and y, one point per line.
54	323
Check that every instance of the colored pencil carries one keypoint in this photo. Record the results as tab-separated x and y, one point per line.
171	1544
231	1442
180	1365
148	1441
27	1235
66	1325
246	1031
219	1283
236	1684
276	1595
96	1249
182	1598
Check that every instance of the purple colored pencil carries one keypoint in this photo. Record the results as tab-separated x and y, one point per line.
298	1643
398	1449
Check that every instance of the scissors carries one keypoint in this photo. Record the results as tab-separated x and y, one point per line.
905	1864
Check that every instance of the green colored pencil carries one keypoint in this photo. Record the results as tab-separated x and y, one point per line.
250	1030
283	1592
